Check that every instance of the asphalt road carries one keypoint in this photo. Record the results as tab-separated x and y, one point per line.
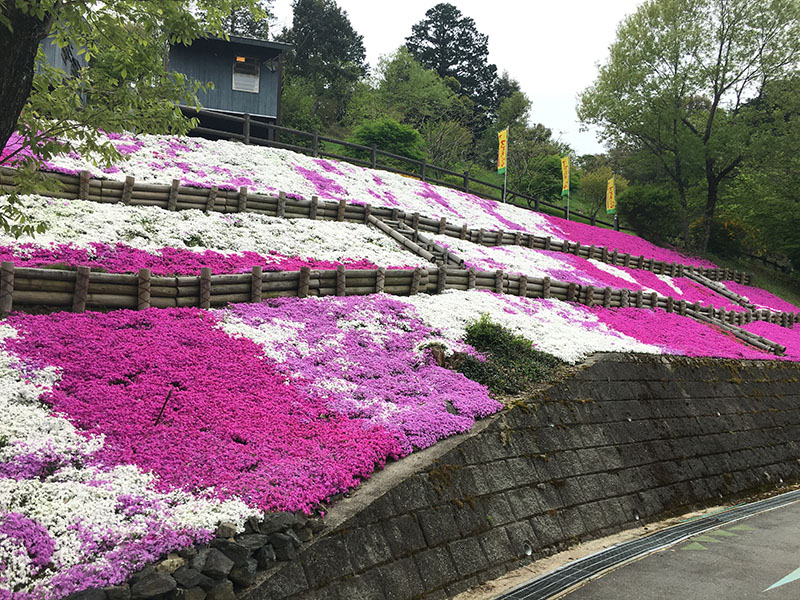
754	558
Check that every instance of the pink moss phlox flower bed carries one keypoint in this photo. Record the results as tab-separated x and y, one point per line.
232	426
761	298
623	242
789	338
360	352
120	258
676	334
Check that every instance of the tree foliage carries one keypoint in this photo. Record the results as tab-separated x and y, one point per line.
125	83
450	44
328	53
594	186
390	136
250	22
678	81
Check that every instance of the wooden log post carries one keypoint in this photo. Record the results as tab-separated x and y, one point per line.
604	254
205	288
680	270
639	298
6	287
463	234
367	212
589	296
577	250
471	279
415	279
341	280
607	297
172	201
565	246
591	251
624	298
499	277
572	292
546	287
242	206
523	286
212	198
380	280
518	238
143	290
441	280
302	282
81	289
340	210
670	304
256	282
547	242
480	236
395	214
127	189
312	209
83	185
531	240
652	265
442	225
614	256
654	300
280	211
626	260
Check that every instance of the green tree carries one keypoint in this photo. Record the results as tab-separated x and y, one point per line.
678	80
594	185
328	52
127	87
247	22
450	44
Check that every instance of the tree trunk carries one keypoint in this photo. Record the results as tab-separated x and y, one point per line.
18	50
712	181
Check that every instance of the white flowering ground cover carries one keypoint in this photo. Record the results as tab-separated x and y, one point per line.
576	269
109	236
126	435
204	163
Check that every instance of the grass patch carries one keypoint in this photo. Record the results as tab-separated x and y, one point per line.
512	364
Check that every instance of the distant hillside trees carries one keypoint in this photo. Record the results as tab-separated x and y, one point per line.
679	82
329	59
449	43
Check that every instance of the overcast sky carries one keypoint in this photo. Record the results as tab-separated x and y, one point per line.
551	47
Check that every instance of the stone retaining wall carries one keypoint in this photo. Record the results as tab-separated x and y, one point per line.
625	440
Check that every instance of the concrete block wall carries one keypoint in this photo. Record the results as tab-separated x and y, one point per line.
625	440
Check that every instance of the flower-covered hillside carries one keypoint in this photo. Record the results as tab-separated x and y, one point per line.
576	269
120	238
205	163
193	417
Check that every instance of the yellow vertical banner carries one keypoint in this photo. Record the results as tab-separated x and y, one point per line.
502	150
611	198
565	176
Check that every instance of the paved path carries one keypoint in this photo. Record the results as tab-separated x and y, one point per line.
756	558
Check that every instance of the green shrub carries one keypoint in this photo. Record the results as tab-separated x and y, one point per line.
512	364
390	136
654	212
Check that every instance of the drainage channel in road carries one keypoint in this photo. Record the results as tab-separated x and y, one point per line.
579	571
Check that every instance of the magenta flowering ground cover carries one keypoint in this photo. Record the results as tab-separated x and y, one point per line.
121	258
761	298
623	242
786	337
675	334
362	353
231	424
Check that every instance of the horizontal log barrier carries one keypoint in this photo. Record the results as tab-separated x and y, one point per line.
148	194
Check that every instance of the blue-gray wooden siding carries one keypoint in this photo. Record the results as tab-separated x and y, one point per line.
67	59
215	63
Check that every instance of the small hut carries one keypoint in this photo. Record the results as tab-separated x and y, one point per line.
247	75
